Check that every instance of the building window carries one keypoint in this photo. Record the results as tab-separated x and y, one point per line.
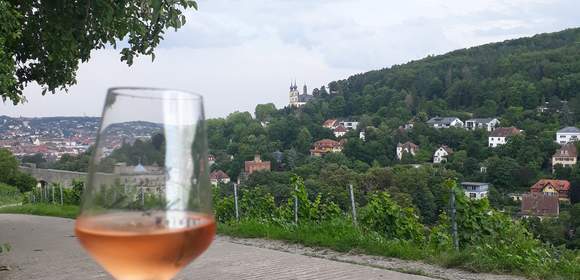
472	195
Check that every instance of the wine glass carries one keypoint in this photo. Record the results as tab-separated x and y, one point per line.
146	210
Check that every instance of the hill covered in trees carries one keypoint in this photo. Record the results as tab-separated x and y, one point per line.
509	80
484	81
530	83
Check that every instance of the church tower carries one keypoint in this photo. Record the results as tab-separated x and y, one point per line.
294	95
298	99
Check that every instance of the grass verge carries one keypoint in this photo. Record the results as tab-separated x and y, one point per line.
341	236
338	235
64	211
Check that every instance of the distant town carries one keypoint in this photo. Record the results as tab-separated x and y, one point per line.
54	137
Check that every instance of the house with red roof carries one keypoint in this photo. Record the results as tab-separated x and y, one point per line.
251	166
340	126
539	205
407	147
558	188
339	131
217	177
326	146
330	123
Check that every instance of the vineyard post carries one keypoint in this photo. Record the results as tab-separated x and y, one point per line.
454	220
352	204
236	202
296	204
61	198
142	197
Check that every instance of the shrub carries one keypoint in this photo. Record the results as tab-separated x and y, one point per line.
384	216
9	194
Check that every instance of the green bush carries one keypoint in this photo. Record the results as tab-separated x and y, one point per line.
24	182
315	210
257	204
384	216
9	194
63	211
223	208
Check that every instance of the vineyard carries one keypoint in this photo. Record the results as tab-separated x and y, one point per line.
488	240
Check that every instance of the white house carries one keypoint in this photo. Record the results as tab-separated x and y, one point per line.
348	124
566	156
500	135
475	190
441	154
445	122
488	124
217	177
340	127
407	147
567	135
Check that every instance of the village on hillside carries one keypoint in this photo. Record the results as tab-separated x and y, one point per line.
542	200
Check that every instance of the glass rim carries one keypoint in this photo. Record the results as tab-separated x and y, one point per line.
150	93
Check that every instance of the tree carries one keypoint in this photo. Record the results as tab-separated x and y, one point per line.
24	182
44	41
264	112
501	172
303	141
8	166
337	106
37	159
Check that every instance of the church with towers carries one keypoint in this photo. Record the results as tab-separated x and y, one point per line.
297	99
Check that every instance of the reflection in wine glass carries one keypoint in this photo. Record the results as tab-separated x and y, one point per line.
146	211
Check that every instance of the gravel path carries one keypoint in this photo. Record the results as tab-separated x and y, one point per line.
45	248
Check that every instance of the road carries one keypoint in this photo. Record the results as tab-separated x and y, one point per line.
45	248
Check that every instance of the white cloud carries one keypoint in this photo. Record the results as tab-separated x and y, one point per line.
241	53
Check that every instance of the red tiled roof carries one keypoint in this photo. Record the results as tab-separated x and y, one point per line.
539	204
559	185
329	123
409	145
326	143
218	175
340	128
505	132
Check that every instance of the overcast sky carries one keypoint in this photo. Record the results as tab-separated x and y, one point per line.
241	53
